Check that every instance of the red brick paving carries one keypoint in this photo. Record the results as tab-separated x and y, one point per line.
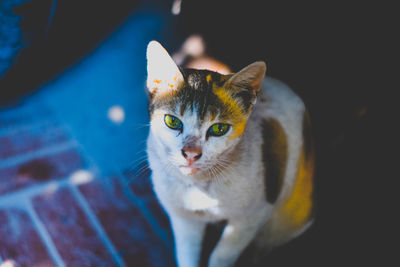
23	164
19	240
75	239
128	229
40	169
29	139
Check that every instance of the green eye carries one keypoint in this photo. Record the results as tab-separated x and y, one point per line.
173	122
218	129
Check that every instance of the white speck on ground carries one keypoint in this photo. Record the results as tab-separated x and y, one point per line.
116	114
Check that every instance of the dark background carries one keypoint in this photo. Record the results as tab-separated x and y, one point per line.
336	56
48	36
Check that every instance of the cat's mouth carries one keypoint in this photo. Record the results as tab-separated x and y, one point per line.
188	170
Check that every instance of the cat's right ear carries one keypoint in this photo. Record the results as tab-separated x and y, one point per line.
163	75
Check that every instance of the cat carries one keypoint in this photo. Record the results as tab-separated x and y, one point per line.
234	148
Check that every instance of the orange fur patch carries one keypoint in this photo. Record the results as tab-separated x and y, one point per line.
297	208
239	118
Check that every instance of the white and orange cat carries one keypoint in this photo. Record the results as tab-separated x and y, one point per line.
233	147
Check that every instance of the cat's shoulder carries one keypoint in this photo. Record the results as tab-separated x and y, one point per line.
278	100
279	93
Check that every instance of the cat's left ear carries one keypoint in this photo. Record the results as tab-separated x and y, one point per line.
163	74
249	78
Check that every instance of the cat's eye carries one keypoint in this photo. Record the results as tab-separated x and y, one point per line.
218	129
173	122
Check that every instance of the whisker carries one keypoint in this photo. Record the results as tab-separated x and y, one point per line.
140	126
139	158
141	152
138	173
136	163
141	170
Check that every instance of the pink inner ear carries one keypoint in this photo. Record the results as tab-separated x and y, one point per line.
256	84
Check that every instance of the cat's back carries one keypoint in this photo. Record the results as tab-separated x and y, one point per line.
280	99
281	119
281	111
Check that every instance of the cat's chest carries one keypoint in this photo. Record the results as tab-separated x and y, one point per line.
199	203
215	202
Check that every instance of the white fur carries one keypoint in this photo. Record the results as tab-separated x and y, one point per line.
237	194
163	74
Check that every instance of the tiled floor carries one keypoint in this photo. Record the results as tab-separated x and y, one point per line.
74	188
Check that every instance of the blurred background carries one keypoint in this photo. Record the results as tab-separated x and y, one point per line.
73	120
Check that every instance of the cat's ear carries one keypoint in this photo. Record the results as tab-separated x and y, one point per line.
163	74
250	77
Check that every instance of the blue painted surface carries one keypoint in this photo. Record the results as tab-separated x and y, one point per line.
113	74
10	34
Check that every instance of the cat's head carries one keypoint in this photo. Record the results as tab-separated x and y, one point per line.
198	116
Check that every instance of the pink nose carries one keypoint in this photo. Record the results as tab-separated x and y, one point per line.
191	155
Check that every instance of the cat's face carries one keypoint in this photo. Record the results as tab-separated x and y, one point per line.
198	116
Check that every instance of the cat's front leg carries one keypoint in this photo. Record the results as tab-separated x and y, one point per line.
188	236
235	238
